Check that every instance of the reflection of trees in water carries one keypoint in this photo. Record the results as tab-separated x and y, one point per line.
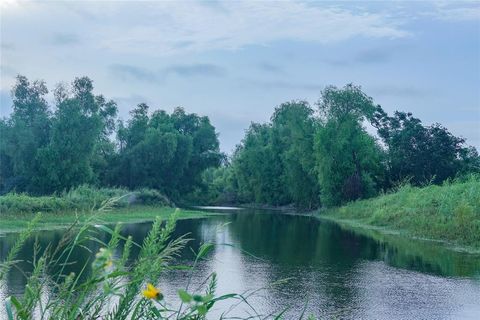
16	280
320	258
306	240
324	258
424	256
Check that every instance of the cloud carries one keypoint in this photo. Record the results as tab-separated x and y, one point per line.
456	11
128	72
280	84
270	68
169	28
397	90
65	39
374	55
364	57
199	69
337	62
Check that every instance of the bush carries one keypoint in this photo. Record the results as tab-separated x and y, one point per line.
150	197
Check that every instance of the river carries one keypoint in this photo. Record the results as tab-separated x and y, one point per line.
333	271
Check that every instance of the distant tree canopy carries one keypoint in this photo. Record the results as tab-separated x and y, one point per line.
304	156
43	151
275	162
422	153
327	157
165	152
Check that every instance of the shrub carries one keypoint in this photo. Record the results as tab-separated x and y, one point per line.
150	197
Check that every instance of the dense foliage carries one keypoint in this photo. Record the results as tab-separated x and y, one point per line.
326	156
47	150
306	156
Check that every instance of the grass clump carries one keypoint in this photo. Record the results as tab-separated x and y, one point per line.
82	198
449	212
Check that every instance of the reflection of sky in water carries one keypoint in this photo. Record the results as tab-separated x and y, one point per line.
336	273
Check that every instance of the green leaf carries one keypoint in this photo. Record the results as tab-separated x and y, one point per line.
16	303
225	296
204	250
118	273
184	296
156	312
202	310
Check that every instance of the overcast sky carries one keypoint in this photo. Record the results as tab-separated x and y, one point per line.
236	61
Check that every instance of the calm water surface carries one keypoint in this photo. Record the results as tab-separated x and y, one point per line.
336	272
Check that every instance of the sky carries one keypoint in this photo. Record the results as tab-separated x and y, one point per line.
236	61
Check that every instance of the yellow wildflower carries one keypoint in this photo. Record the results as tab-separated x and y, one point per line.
152	292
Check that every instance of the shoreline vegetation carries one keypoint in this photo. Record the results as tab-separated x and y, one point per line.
449	213
77	205
62	220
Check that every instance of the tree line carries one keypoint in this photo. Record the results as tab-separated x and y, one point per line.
325	156
306	156
49	149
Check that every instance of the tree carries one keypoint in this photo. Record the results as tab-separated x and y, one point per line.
422	154
349	161
27	130
293	126
258	168
79	125
165	152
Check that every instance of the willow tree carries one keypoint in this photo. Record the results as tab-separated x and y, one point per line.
293	126
349	161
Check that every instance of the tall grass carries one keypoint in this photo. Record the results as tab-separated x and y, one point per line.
448	212
82	198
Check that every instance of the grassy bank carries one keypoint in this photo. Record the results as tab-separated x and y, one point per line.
81	198
14	222
59	211
450	212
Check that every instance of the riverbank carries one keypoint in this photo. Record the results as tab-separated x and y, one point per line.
448	213
14	222
83	198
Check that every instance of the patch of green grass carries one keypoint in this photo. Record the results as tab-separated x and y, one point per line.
450	212
84	198
14	222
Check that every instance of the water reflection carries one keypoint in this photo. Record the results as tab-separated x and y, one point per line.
341	272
